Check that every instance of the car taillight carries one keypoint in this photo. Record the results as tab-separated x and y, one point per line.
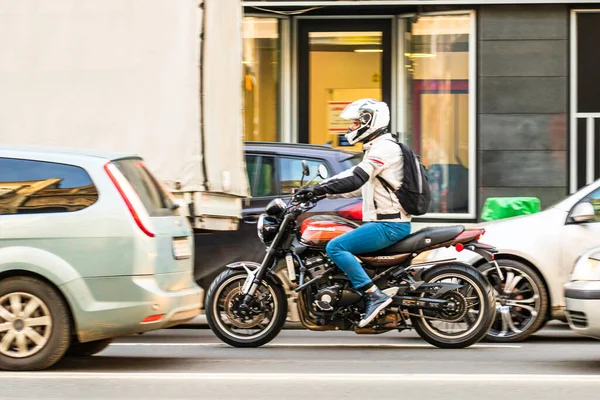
352	212
152	318
132	200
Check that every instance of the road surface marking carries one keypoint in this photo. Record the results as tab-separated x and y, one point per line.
332	345
253	377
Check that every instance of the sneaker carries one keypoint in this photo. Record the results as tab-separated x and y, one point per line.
375	301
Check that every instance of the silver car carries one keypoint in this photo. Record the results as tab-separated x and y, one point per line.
583	295
91	248
537	253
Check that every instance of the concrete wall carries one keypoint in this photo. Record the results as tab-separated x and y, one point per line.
523	101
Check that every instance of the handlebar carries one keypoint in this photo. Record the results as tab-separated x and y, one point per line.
313	199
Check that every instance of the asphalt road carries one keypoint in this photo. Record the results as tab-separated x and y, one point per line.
193	364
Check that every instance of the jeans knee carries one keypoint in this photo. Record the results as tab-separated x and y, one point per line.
333	247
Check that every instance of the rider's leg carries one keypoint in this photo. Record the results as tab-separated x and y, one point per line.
366	239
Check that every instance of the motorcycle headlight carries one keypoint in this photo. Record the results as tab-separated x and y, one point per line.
587	268
266	228
275	207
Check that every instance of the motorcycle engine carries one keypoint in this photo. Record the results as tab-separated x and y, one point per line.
330	294
315	266
327	297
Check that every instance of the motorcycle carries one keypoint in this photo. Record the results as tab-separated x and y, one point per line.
448	303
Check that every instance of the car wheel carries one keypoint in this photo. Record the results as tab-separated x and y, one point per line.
88	348
34	325
521	301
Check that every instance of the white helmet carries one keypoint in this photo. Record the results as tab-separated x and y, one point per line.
374	117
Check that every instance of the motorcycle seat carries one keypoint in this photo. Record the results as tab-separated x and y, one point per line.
420	240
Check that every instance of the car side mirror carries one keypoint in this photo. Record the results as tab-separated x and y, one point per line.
583	212
305	169
323	172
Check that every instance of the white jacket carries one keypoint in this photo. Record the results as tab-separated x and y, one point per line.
382	159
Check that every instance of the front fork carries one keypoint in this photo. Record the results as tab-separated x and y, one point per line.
256	276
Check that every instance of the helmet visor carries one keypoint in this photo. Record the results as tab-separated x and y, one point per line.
351	112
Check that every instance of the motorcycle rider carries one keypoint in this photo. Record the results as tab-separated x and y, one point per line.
386	221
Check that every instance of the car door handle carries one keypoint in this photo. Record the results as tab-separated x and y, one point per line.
250	219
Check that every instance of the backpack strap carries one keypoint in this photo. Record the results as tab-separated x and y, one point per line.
386	184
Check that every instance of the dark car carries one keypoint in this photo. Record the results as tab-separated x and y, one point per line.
274	169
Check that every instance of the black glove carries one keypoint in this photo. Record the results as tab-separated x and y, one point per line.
306	194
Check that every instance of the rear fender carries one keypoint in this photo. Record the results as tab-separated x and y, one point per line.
447	287
447	263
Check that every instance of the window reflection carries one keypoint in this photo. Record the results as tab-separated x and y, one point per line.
437	63
261	78
28	187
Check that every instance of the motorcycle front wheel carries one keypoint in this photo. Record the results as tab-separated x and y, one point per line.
253	327
467	317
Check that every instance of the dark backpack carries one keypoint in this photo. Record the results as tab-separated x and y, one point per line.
414	194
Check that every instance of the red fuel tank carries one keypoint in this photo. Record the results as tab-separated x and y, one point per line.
319	230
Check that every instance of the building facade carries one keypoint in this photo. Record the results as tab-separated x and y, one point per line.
498	99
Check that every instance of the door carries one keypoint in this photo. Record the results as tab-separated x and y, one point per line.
585	100
340	61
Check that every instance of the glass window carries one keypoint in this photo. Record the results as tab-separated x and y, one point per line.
261	174
344	67
594	198
290	173
28	187
261	55
436	59
155	199
352	161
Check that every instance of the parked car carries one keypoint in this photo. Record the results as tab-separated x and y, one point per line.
274	169
583	295
91	248
536	256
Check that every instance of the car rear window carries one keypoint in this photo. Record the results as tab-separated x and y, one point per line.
153	196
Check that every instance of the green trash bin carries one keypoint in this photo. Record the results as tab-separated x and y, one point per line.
505	207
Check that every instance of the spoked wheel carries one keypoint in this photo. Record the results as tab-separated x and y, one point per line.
468	313
35	325
239	327
521	301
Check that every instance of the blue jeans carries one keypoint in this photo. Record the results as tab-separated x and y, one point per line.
367	238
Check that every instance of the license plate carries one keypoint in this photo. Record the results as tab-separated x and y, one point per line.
181	249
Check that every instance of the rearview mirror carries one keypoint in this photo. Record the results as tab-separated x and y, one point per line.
323	172
305	169
583	212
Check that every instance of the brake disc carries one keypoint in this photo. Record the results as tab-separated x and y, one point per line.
242	322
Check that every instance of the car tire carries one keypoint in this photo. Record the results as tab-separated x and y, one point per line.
521	301
88	348
39	324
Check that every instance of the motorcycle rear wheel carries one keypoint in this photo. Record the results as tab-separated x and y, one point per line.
238	330
478	313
